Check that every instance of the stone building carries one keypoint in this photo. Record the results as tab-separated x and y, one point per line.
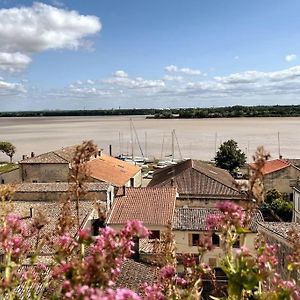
52	166
279	174
189	225
11	176
102	193
296	204
198	184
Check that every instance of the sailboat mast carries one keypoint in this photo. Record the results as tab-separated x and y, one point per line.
178	145
131	138
279	152
146	150
173	132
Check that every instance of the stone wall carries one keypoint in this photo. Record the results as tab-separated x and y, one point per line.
44	172
282	180
56	196
204	202
10	177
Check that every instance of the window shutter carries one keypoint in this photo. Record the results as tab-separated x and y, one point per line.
190	239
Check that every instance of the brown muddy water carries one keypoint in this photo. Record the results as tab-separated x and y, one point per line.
196	138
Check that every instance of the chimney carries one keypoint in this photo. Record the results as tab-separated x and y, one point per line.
100	152
110	150
32	154
124	190
23	156
31	212
172	182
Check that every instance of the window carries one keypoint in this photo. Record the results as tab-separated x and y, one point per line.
132	182
215	239
96	224
34	181
2	181
237	243
154	234
195	239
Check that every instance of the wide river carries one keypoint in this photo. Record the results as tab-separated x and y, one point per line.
197	138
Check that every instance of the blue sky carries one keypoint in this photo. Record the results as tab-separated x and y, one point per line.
114	53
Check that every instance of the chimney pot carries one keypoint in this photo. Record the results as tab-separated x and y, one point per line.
172	181
32	154
31	212
124	190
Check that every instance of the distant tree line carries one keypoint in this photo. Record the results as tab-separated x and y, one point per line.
241	111
213	112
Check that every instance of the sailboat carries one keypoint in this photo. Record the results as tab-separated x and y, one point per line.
172	160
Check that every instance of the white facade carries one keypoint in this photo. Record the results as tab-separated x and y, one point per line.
296	210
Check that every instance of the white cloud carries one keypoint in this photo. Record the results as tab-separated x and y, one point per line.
186	71
290	57
122	79
172	78
120	74
244	77
11	89
13	62
28	30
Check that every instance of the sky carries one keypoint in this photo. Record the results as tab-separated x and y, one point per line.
103	54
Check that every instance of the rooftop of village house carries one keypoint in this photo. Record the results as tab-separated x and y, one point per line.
134	274
110	169
280	229
195	218
154	206
272	166
61	156
192	177
51	210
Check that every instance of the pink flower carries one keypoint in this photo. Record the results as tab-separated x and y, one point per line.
167	272
84	234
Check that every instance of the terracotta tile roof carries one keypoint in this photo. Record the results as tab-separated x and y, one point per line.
153	206
279	229
45	158
134	274
60	156
59	187
192	177
51	210
194	219
22	291
112	170
272	166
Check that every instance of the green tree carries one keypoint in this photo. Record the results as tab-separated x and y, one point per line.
229	156
8	148
283	208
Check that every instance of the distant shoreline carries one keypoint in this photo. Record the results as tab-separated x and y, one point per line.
172	113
